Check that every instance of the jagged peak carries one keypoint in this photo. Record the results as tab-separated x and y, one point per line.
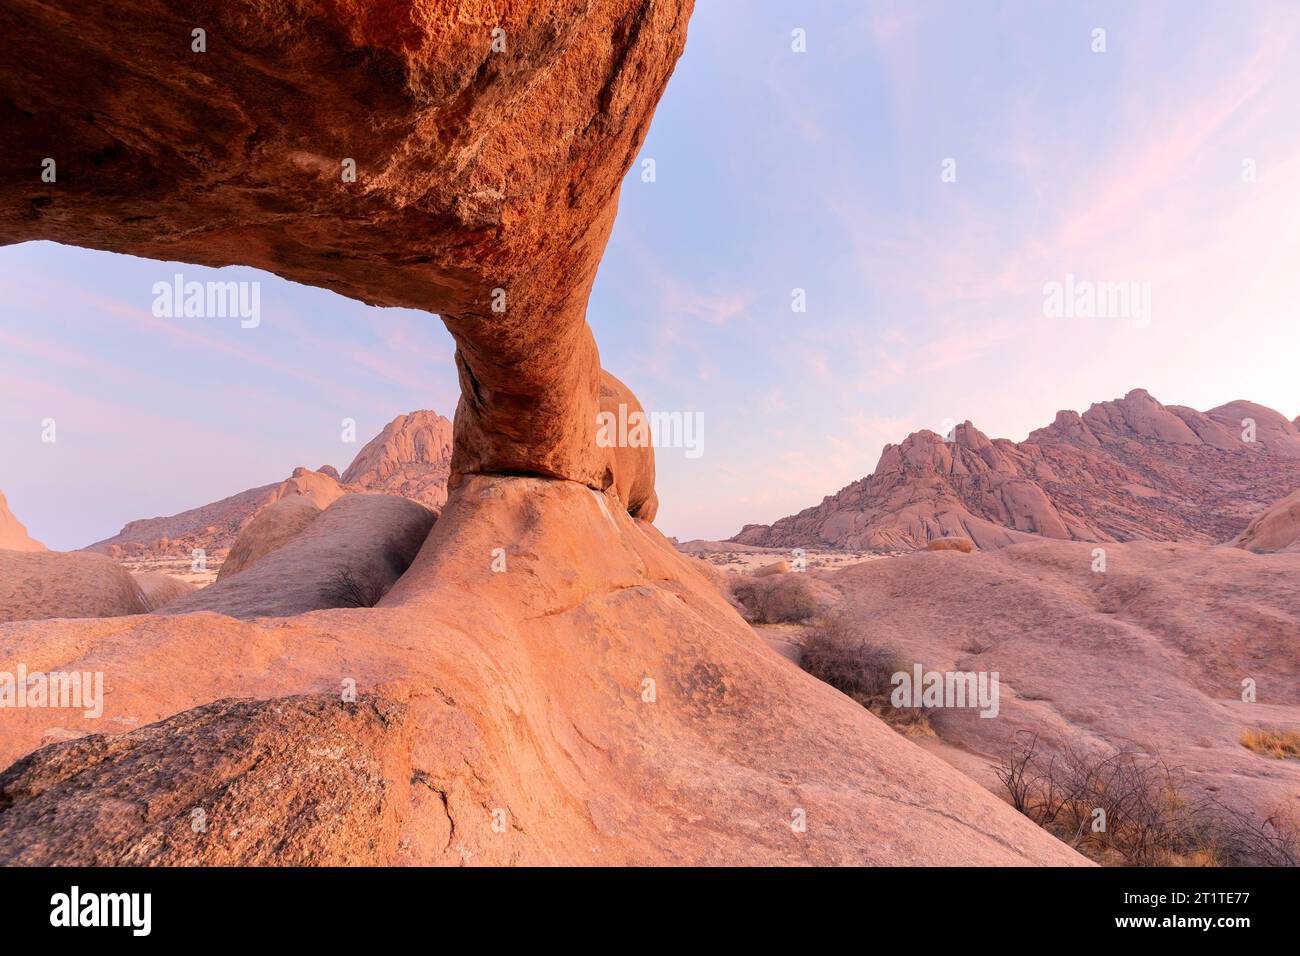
1112	484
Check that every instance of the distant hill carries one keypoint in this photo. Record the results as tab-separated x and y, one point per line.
1124	470
410	457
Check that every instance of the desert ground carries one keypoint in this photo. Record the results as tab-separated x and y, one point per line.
746	559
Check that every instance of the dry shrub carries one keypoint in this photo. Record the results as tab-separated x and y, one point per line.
350	588
1149	819
832	652
778	599
1272	742
365	586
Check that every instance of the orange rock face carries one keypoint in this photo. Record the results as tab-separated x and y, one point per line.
488	143
629	466
1275	529
347	556
410	457
594	692
1123	470
161	589
331	788
44	584
272	528
320	489
1149	652
13	536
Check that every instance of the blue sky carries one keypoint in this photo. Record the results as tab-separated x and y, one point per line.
775	170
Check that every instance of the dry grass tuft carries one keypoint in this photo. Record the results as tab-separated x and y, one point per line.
1272	742
1128	808
776	599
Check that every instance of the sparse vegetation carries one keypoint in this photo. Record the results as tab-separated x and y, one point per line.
832	652
1128	808
1272	742
349	588
778	599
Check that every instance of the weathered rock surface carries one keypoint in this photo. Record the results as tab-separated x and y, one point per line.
45	584
410	457
13	535
486	180
270	529
293	781
350	555
319	488
1123	470
630	467
1272	430
1275	529
526	693
161	589
1149	654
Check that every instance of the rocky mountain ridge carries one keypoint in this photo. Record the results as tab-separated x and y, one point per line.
1124	470
411	457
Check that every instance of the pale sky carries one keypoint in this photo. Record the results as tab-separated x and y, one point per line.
1172	159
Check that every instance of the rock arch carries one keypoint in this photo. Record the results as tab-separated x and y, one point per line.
486	179
481	693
